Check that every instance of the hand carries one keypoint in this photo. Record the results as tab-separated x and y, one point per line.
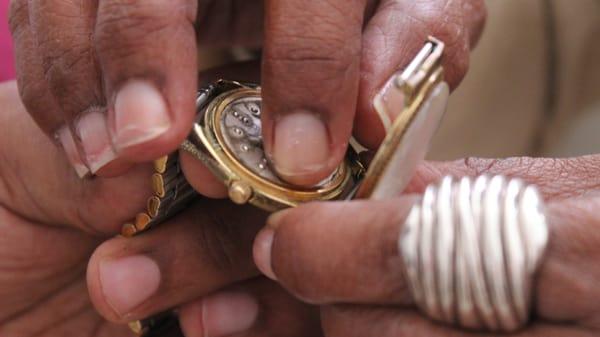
344	255
57	245
122	74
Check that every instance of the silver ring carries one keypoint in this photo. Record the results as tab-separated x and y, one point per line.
471	249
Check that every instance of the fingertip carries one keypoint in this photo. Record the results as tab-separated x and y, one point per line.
140	114
67	142
301	151
118	283
224	313
201	178
94	285
190	319
262	250
145	125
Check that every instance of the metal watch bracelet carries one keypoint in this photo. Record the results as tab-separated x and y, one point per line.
171	194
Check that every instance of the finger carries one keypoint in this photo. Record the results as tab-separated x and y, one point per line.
393	37
335	252
62	30
566	288
357	321
204	249
33	87
39	265
251	309
150	93
310	81
37	183
201	178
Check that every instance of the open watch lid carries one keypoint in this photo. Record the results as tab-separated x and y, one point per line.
421	92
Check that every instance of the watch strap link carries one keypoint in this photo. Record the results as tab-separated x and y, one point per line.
171	194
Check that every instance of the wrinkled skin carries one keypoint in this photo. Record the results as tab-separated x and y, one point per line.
73	57
57	229
344	256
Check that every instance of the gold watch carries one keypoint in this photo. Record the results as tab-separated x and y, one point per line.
227	138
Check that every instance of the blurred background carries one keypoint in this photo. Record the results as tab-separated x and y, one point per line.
533	87
534	84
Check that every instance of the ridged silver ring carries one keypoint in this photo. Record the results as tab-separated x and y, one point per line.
471	249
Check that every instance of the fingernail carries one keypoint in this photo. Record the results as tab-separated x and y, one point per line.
301	148
128	282
140	114
389	102
65	138
228	313
93	132
261	250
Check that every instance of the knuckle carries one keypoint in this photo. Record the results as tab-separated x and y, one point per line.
331	57
124	25
327	44
63	60
65	72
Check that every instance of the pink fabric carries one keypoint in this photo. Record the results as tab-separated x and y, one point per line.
7	68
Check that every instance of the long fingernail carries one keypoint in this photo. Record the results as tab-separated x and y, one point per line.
301	148
389	102
66	140
140	114
228	313
263	245
93	132
128	282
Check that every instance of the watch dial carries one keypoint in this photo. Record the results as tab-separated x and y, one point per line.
241	126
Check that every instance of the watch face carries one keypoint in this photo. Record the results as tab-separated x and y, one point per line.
241	130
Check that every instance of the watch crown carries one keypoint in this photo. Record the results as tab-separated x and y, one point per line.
240	192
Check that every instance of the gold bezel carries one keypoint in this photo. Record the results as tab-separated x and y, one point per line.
264	193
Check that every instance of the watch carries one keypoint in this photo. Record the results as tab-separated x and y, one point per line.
226	138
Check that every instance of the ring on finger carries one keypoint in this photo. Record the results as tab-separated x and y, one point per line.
471	249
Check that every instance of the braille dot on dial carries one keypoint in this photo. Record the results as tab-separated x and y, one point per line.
237	132
246	120
262	166
245	147
255	111
236	114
